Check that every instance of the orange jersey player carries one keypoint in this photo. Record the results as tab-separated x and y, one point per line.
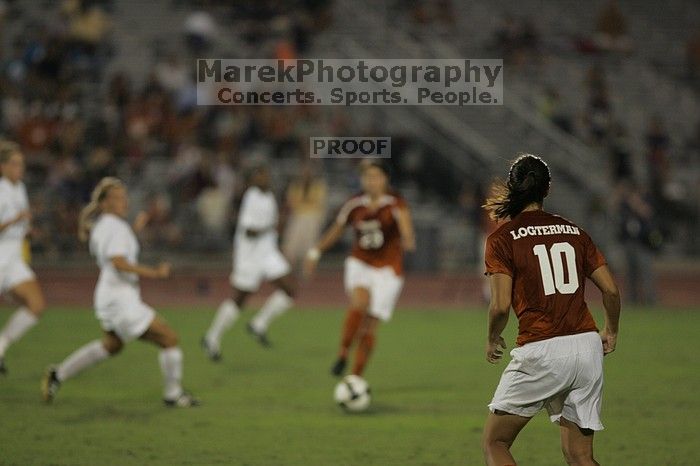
373	272
538	263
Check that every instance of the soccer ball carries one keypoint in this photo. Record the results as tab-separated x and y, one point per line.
352	394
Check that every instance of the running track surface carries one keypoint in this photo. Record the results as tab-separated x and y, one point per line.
205	289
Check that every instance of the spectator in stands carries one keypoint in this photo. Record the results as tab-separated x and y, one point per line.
658	144
640	239
620	156
88	24
598	116
215	200
156	224
119	91
598	112
320	12
611	29
172	74
693	146
445	13
88	28
200	32
306	204
4	8
550	108
692	59
517	39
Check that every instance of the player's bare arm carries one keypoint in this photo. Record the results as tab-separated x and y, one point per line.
408	235
162	270
499	308
141	221
329	238
603	279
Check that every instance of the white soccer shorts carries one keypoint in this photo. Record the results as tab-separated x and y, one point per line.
127	316
383	284
562	374
251	270
14	273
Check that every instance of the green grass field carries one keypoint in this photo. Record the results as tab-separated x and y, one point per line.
274	407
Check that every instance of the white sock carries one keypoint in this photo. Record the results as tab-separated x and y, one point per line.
82	358
225	317
16	326
276	305
170	360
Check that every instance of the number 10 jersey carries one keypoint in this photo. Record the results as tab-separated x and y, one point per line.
549	259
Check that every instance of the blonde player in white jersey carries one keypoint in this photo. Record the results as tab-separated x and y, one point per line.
256	258
16	278
118	305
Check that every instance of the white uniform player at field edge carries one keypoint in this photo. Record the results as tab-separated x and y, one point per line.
16	278
118	305
256	258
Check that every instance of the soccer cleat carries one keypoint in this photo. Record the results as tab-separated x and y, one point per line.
185	400
339	367
261	337
212	353
3	367
50	384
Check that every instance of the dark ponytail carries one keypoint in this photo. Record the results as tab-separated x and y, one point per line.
528	182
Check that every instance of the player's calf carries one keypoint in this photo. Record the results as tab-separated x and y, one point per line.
579	456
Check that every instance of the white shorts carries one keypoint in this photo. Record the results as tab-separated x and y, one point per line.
127	316
562	374
251	270
383	284
14	273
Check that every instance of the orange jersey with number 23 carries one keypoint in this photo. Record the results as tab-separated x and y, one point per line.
377	237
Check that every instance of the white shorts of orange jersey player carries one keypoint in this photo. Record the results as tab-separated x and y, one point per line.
562	374
383	284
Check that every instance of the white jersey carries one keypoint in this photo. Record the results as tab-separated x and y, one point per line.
111	236
258	212
257	259
13	200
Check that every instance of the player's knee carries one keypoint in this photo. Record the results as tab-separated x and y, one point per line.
360	303
489	444
35	303
170	339
112	345
239	297
287	285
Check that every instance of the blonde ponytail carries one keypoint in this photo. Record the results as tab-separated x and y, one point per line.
90	212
